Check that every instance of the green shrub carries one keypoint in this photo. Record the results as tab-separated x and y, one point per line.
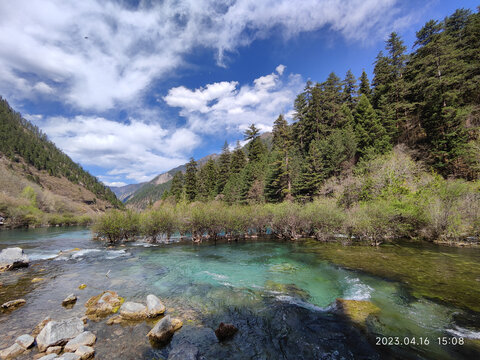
325	218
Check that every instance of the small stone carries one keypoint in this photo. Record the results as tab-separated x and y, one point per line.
85	352
69	356
86	338
25	341
13	304
54	350
69	300
40	326
48	357
164	329
11	352
82	286
225	331
116	319
133	310
103	304
35	280
154	306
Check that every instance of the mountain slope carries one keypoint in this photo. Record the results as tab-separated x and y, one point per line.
37	178
123	193
153	190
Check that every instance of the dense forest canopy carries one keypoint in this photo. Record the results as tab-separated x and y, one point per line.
428	100
21	139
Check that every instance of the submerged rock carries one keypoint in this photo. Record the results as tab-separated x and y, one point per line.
134	311
225	331
184	351
85	352
14	304
69	300
12	352
357	310
103	304
25	341
59	332
13	258
163	330
154	306
86	338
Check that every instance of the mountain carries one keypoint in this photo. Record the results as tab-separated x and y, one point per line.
125	192
38	181
146	193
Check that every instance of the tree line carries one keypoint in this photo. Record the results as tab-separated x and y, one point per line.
428	100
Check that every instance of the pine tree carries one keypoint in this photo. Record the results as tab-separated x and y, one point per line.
191	180
239	160
256	149
364	87
223	168
207	178
372	136
177	188
349	89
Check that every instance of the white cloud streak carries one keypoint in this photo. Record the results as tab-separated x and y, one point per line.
96	55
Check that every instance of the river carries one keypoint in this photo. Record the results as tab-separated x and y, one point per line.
280	295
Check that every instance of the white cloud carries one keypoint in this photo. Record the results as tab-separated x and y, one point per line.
233	108
97	55
135	150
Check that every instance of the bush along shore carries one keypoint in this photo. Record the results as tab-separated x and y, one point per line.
390	197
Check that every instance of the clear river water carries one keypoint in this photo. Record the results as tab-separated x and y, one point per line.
280	295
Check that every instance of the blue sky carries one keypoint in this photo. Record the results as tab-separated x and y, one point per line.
130	89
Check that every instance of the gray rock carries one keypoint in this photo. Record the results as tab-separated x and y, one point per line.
154	306
12	352
12	258
59	332
85	352
48	357
184	351
13	304
133	310
164	329
86	338
54	350
40	326
25	341
69	300
69	356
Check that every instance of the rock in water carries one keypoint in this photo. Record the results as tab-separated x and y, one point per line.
11	352
357	311
69	300
11	305
225	331
104	304
133	310
86	338
85	352
154	306
184	351
48	357
40	326
59	332
164	329
12	258
25	341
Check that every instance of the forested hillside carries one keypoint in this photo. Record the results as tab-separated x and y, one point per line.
427	101
39	183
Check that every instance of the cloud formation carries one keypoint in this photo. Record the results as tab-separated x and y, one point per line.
96	55
135	150
224	107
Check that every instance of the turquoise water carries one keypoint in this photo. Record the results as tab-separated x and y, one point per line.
281	296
